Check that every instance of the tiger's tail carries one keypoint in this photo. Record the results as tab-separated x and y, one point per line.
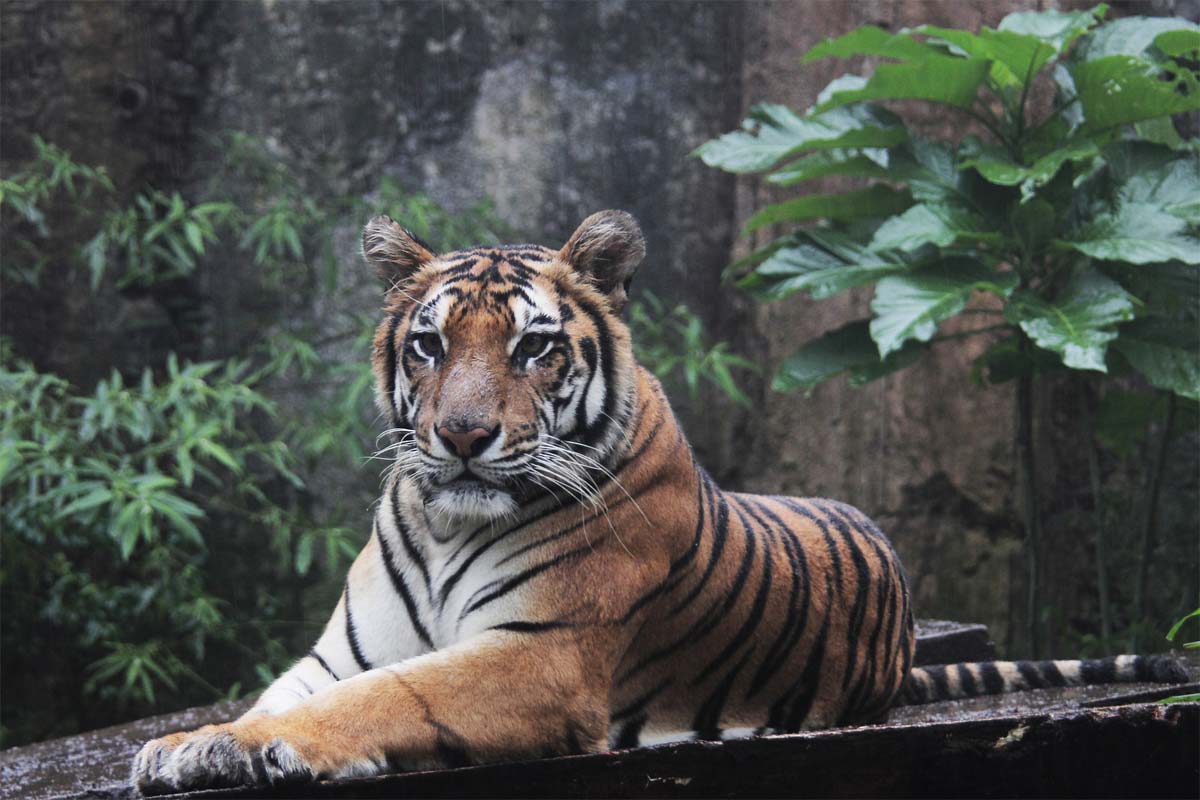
955	681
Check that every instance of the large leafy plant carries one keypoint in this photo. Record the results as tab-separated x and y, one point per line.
1067	223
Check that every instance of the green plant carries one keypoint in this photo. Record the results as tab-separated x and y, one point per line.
110	498
671	342
1171	634
1067	226
161	543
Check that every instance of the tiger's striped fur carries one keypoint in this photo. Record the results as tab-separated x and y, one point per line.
550	571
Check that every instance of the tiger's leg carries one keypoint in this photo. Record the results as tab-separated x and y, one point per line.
371	625
490	697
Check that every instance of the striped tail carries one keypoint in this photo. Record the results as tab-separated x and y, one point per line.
955	681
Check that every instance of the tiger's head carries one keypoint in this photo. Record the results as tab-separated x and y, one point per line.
505	371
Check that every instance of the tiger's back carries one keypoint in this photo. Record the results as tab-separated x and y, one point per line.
775	614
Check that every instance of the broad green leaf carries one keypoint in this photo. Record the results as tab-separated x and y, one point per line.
821	263
1133	36
938	79
1057	28
831	162
1168	289
926	223
928	169
911	306
1180	42
1016	57
1120	89
1139	233
1079	323
875	201
997	166
870	41
1033	223
847	349
774	132
1161	130
1173	186
1166	352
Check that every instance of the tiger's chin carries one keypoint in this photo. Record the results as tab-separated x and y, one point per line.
472	500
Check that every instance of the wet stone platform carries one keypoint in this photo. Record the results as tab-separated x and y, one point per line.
1095	741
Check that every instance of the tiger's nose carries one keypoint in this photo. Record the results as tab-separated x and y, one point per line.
469	442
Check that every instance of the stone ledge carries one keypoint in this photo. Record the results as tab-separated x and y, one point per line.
936	749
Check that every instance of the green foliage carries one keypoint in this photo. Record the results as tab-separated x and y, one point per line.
109	500
1076	221
160	537
1171	634
671	343
1065	222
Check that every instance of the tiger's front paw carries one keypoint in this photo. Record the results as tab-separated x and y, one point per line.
215	756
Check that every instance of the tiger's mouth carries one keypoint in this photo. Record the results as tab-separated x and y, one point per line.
469	495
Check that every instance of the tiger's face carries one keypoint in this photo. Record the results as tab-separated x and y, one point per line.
505	371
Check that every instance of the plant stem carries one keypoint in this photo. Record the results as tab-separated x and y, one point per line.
1151	519
1026	466
1093	451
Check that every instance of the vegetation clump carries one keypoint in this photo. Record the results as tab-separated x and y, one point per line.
1065	226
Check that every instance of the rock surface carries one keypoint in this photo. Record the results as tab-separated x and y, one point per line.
959	733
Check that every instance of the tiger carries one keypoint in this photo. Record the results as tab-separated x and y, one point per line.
551	572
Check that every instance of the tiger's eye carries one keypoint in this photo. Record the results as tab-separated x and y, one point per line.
430	344
532	344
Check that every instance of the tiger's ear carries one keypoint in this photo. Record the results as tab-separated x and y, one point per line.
393	250
607	247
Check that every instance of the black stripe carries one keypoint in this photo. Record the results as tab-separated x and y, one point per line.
941	685
449	584
401	588
993	681
1031	675
410	547
324	664
720	535
593	434
588	347
708	718
352	635
524	626
564	532
756	609
966	680
630	735
1051	674
1098	670
640	703
862	587
519	579
797	618
806	688
867	681
390	355
716	613
674	573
